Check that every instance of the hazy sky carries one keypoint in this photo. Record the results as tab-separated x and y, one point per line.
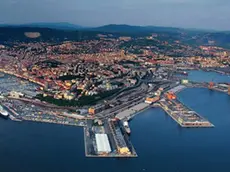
209	14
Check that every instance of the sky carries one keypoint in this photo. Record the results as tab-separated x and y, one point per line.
201	14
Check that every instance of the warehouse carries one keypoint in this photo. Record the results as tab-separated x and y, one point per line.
103	146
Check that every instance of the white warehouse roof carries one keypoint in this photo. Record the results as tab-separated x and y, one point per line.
102	142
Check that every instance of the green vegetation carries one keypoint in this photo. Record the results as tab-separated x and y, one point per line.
69	77
129	62
136	51
138	42
49	64
84	100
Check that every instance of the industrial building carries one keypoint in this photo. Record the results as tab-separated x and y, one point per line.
102	142
184	81
151	100
119	139
96	109
15	94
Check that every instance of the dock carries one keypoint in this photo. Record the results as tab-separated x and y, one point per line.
107	139
36	119
183	115
216	86
177	89
14	119
131	112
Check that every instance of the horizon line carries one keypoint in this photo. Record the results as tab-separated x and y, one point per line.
118	24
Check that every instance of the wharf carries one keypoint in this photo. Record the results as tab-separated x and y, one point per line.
119	143
183	115
12	114
51	121
131	112
177	89
216	87
14	119
22	77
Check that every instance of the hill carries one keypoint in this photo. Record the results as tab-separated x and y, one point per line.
18	34
10	34
61	25
131	29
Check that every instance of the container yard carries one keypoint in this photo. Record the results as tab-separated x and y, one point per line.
107	138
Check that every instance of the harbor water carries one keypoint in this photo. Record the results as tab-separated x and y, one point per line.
201	76
161	144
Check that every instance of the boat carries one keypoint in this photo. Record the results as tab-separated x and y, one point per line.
3	112
185	73
126	126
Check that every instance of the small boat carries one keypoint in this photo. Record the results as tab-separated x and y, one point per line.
3	112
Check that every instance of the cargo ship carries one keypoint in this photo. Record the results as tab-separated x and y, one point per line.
126	126
3	112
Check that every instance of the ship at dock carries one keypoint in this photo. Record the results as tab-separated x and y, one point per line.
126	126
3	113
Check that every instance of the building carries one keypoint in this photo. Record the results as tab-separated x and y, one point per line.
125	38
92	111
184	81
102	142
96	109
151	100
119	138
69	96
15	94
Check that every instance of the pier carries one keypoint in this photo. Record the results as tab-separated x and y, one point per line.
225	88
107	138
183	115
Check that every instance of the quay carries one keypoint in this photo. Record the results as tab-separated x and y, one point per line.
40	103
14	116
216	70
177	89
182	114
225	88
107	138
14	119
51	121
22	77
132	111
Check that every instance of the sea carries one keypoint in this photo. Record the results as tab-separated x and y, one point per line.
161	144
